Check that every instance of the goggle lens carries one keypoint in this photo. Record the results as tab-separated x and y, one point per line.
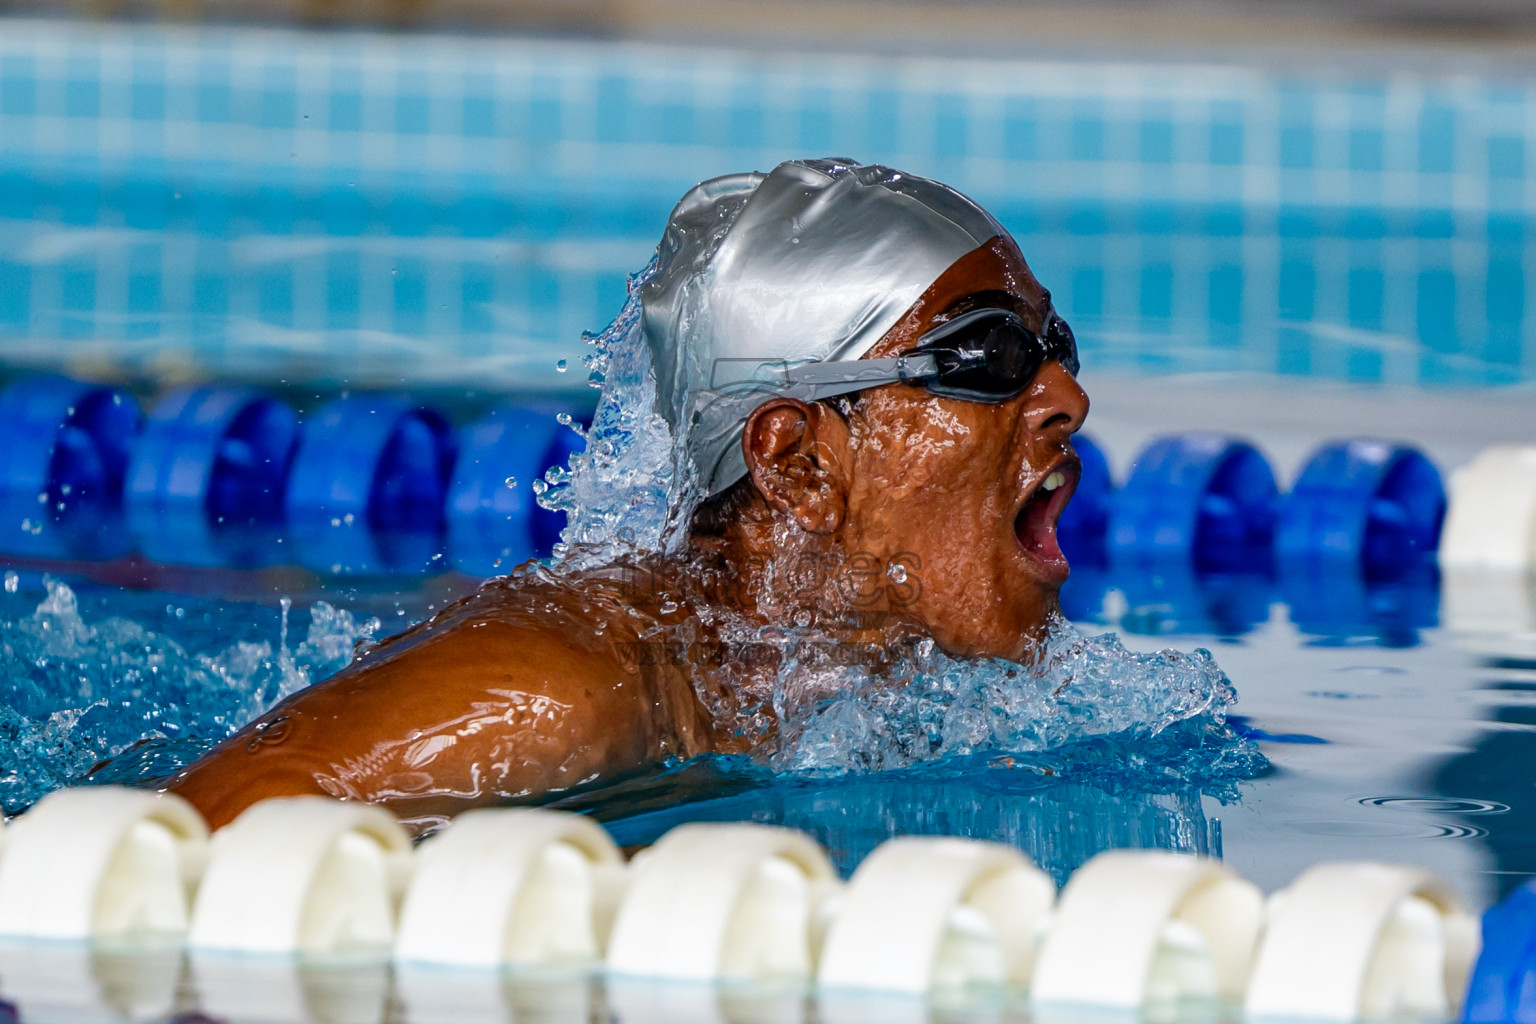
991	355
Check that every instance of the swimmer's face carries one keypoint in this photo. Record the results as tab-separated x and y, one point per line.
965	495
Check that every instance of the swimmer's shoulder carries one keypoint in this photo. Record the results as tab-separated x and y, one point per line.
595	638
592	614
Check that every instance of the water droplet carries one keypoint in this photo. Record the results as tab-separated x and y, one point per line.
561	366
897	572
511	482
349	518
564	419
12	581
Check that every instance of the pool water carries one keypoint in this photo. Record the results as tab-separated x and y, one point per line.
1391	739
1387	740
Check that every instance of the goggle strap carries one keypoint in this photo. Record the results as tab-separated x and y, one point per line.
812	382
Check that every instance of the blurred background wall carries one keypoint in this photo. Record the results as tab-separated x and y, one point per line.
452	191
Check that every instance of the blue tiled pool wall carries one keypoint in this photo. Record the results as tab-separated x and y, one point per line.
266	202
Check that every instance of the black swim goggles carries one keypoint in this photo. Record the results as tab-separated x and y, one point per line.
984	355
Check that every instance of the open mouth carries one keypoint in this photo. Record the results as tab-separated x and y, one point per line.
1035	523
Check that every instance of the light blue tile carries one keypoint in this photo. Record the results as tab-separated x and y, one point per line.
1506	157
82	92
1156	291
413	114
1157	142
1366	289
1435	309
1297	146
1087	298
951	127
1227	140
277	107
1366	149
18	86
1020	130
1087	137
1298	288
1437	139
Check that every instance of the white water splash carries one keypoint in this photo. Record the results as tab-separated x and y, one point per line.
73	692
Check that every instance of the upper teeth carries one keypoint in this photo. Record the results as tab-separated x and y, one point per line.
1055	480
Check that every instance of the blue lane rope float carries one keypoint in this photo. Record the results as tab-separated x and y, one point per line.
1373	504
1080	531
1199	498
1503	987
494	521
207	474
368	484
62	465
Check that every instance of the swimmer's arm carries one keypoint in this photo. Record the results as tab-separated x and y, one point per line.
485	711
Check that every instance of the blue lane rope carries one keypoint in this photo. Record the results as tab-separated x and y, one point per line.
1373	504
368	484
494	521
382	483
1081	528
207	473
65	451
1503	986
1201	499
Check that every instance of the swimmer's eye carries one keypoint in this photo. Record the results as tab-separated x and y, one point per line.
990	355
983	355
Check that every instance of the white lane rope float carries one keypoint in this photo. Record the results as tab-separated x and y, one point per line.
925	912
1363	940
738	902
100	862
305	875
1143	927
512	886
1490	520
317	881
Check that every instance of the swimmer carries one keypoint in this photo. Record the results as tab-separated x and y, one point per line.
864	381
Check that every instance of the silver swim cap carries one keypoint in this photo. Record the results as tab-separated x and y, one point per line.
814	261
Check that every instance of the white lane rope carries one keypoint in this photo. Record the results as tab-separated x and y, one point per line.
312	880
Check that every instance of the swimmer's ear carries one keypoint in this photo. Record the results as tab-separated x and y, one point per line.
790	450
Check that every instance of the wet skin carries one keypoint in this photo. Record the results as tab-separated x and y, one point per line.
524	687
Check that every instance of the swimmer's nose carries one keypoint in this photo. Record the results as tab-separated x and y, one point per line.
1057	402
